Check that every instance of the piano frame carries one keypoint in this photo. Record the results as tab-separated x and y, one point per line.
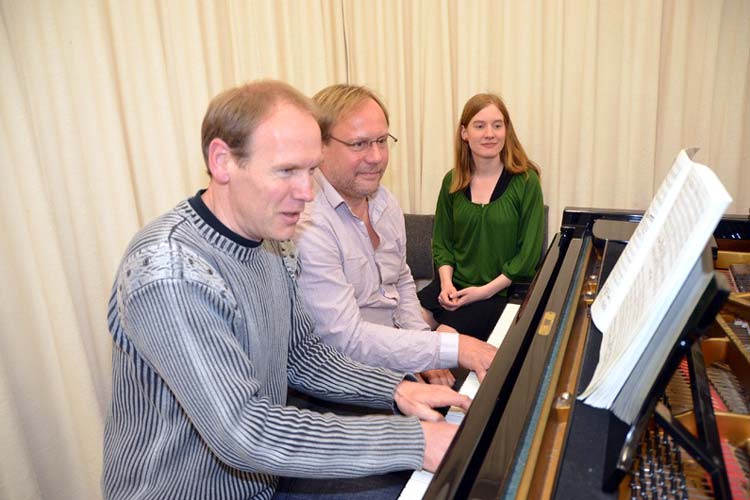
527	402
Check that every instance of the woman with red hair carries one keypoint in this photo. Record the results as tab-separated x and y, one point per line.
488	222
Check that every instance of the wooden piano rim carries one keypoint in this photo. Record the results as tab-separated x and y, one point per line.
733	427
725	258
538	479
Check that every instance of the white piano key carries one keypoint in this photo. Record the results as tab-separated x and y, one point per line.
503	325
419	481
417	485
470	385
454	416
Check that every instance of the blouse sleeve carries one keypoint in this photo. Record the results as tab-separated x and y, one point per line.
531	222
442	233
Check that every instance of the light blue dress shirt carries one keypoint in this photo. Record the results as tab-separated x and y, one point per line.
363	299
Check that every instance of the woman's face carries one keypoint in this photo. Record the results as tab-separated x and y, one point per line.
485	133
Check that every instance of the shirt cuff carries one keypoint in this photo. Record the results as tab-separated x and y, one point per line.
448	356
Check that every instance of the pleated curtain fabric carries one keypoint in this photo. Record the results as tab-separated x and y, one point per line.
101	104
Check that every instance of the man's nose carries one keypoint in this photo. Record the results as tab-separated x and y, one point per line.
375	153
304	188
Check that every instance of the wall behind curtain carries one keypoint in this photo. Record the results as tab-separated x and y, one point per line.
100	126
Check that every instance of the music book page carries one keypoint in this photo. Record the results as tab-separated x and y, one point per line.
651	271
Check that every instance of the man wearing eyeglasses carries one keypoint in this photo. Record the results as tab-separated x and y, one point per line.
208	333
352	246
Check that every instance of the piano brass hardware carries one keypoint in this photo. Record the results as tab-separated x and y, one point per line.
563	401
545	326
590	288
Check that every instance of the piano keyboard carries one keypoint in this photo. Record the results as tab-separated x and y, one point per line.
420	480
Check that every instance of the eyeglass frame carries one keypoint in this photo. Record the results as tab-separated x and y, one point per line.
367	143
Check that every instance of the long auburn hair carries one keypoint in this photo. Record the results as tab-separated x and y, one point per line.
512	155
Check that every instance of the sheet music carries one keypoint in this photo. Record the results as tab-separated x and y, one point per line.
633	394
651	270
420	480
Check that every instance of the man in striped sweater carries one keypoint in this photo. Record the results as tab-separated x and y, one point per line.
209	331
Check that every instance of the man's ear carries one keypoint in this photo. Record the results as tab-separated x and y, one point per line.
220	159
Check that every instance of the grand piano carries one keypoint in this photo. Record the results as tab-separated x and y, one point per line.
527	436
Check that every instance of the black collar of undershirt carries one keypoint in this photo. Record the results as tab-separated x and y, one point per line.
196	202
502	184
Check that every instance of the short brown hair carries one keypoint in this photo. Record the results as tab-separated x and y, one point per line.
233	115
335	101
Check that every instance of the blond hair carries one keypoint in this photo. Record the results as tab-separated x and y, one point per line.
337	100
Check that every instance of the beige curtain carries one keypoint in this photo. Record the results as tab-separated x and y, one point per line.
101	103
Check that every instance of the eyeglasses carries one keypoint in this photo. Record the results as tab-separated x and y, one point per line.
363	145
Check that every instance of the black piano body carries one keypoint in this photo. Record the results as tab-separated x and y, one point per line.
526	435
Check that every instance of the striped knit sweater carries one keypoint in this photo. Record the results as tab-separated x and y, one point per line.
208	332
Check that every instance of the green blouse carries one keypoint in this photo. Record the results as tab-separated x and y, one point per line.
481	242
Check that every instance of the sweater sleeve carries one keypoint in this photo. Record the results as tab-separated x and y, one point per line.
530	230
193	349
320	370
442	233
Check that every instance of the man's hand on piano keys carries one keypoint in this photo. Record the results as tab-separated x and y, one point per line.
419	400
475	355
437	438
440	376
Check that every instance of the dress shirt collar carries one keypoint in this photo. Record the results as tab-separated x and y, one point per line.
377	202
